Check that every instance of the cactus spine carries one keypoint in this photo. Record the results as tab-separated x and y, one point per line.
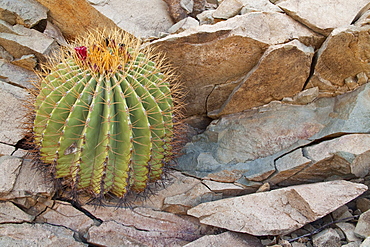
104	115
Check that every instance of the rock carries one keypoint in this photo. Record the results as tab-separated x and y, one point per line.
363	204
6	149
176	11
206	17
75	17
34	235
10	168
214	59
271	78
366	242
341	213
280	211
228	150
147	19
227	189
360	165
17	76
24	12
349	47
53	32
322	19
184	24
29	182
362	229
228	9
187	5
227	239
304	97
180	203
26	41
348	230
26	61
9	213
258	6
142	226
64	214
12	113
328	237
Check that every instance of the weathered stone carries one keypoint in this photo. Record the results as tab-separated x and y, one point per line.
322	18
9	213
349	47
224	188
25	12
258	6
147	19
187	5
141	225
360	165
271	79
279	211
206	17
224	53
363	204
180	203
54	32
34	235
63	214
12	113
30	182
328	237
304	97
16	75
228	9
227	239
366	242
175	9
27	41
26	61
341	213
362	229
10	167
348	230
73	20
184	24
6	149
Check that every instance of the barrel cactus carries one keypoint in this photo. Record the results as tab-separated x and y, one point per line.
105	114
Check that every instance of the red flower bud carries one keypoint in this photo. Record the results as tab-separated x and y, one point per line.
81	52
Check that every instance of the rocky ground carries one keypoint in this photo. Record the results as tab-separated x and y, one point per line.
277	110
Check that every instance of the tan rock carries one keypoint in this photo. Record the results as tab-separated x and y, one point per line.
258	6
27	41
141	225
224	188
16	75
322	17
9	213
271	79
279	211
25	12
12	113
10	167
328	237
362	229
6	149
223	53
348	230
75	17
349	47
228	9
147	19
180	203
227	239
184	24
360	165
64	214
34	235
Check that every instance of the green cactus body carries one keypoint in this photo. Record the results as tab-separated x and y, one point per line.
106	124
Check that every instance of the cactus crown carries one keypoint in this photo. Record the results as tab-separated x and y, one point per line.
104	115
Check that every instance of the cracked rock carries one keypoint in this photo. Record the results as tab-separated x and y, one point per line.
34	235
280	211
10	168
9	213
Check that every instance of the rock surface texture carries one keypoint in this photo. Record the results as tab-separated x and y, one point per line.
277	117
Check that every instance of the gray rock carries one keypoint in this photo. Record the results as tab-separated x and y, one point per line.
147	19
277	212
224	188
12	113
17	75
258	6
228	9
322	18
10	168
6	149
348	230
362	229
34	235
227	239
366	242
9	213
25	12
184	24
328	237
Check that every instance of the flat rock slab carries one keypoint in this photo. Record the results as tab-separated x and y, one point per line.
277	212
34	235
